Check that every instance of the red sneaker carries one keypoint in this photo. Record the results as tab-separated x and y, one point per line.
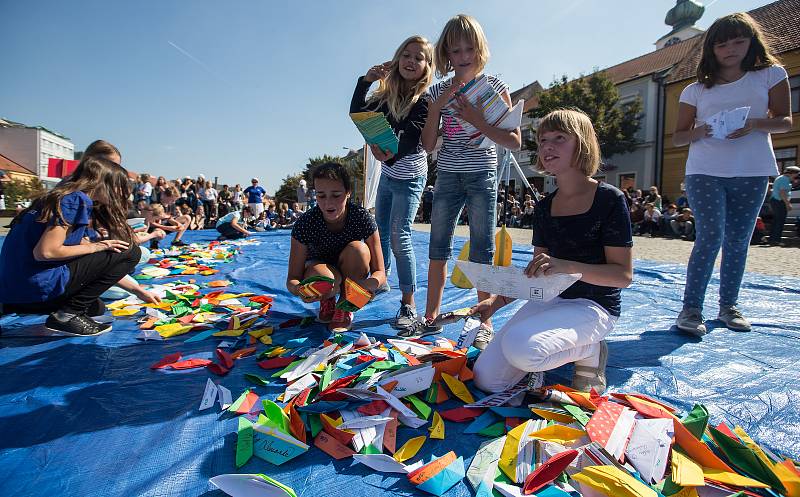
342	321
327	309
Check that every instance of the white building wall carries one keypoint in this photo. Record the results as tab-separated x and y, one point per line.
32	147
52	146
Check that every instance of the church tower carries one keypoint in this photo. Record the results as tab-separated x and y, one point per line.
682	18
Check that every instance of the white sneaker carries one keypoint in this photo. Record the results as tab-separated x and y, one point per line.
484	336
586	377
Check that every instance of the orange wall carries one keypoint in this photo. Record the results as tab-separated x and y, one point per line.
674	164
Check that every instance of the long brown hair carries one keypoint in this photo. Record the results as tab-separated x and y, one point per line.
101	148
105	182
738	25
401	95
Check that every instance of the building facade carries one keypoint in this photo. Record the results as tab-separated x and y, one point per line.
32	146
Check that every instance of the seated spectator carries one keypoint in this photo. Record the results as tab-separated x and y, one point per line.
654	198
666	220
527	213
515	220
759	233
683	201
637	218
651	216
264	223
158	219
683	225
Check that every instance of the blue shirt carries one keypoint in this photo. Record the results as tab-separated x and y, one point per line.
255	194
782	183
26	280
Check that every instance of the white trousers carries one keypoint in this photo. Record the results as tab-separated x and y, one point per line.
257	209
541	337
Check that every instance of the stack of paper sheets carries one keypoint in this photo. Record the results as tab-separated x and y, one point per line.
496	112
376	130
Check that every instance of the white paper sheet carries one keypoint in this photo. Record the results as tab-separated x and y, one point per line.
209	395
726	122
381	462
246	486
510	281
410	380
649	446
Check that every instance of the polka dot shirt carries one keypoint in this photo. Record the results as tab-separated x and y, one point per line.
326	245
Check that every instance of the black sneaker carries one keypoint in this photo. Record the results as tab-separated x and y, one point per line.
154	244
178	243
420	329
406	317
79	325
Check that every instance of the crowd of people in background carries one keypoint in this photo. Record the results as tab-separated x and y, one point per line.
191	204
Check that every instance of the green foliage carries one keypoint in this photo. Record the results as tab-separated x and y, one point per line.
354	163
616	125
20	190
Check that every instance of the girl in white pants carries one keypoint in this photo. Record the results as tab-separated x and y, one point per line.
582	227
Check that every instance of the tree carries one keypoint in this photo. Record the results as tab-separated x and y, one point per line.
21	190
353	162
616	124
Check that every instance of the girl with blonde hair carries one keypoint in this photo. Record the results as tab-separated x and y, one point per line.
466	175
582	227
402	84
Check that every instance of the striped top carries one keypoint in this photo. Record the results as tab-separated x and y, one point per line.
456	156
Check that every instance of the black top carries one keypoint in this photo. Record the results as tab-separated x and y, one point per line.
582	238
408	130
325	245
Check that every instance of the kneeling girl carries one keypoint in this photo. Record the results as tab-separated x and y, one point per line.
582	227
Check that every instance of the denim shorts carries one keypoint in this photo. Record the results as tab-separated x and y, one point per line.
478	191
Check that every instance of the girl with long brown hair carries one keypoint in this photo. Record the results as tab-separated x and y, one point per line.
48	263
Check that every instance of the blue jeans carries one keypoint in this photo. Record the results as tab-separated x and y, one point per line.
454	190
725	211
395	208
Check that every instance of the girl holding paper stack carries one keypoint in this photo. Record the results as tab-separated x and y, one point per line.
400	96
466	174
582	227
727	175
335	249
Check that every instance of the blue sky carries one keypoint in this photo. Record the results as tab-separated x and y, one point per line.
254	88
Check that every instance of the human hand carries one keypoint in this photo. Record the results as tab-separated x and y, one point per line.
748	127
377	72
112	245
380	154
484	309
159	234
545	265
446	95
703	131
468	112
147	296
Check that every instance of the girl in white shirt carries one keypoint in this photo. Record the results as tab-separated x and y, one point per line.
726	178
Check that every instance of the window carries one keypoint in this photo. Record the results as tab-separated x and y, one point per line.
794	83
626	180
786	157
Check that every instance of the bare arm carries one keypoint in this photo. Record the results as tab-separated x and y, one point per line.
297	266
780	110
51	246
685	132
617	272
377	270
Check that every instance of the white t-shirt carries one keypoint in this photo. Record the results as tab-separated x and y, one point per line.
750	155
210	195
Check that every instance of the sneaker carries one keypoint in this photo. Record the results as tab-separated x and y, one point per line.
178	243
327	308
535	381
484	336
78	325
420	328
586	377
342	321
406	317
690	320
733	318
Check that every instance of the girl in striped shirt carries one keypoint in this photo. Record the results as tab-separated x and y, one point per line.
466	175
400	96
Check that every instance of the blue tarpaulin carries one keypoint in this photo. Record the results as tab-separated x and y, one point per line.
86	416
